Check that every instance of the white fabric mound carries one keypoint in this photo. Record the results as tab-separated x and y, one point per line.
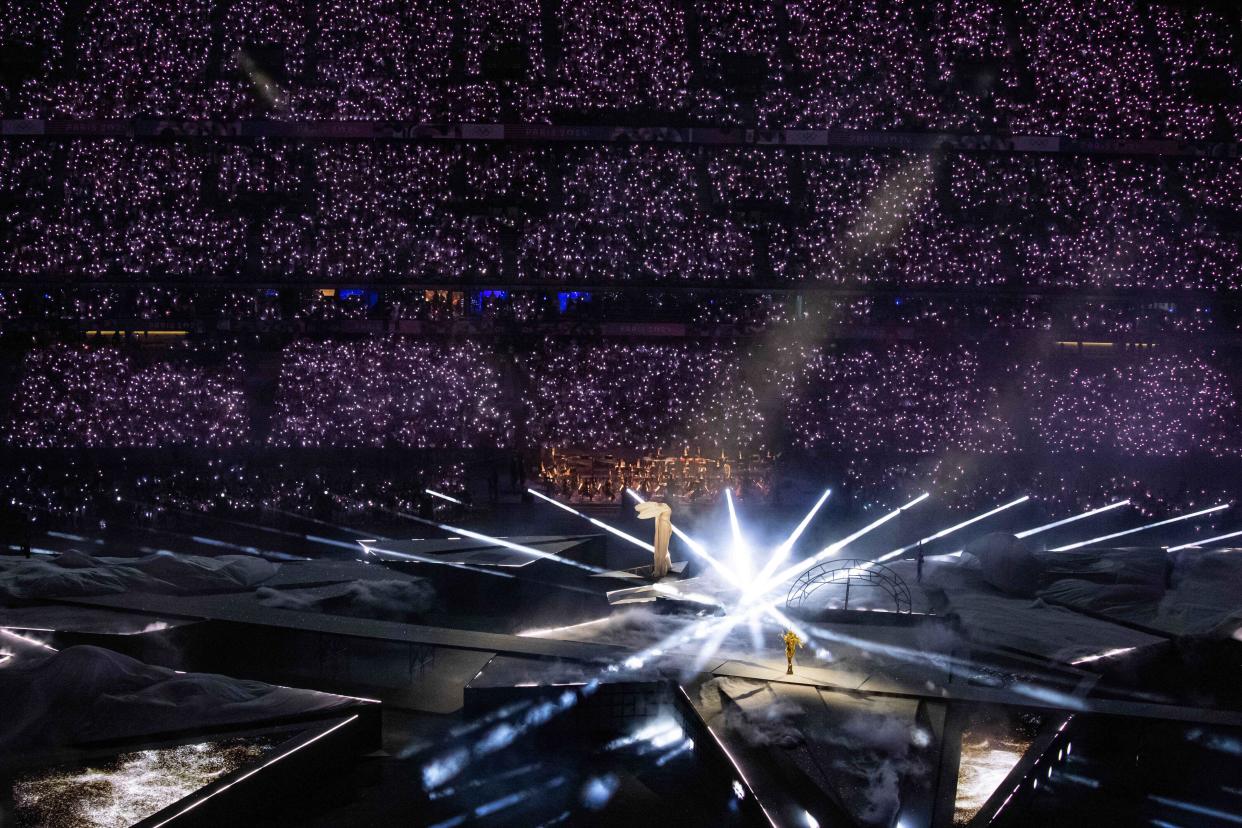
1007	563
88	694
991	616
75	574
1207	592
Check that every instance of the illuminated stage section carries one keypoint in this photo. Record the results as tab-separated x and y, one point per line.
274	786
551	681
412	666
95	738
992	743
638	751
122	790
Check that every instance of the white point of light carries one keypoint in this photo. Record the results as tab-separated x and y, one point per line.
1226	536
945	532
1199	513
1028	532
434	493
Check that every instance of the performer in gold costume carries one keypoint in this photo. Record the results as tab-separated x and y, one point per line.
791	641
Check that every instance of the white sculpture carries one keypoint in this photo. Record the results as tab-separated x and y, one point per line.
661	514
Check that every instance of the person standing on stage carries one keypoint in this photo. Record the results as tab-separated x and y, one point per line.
791	643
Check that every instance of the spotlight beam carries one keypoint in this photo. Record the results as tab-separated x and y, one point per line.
739	551
507	544
1028	532
733	524
945	532
255	526
594	522
719	627
835	547
27	640
1193	544
667	589
1199	513
380	552
346	529
782	552
434	493
370	548
768	609
712	627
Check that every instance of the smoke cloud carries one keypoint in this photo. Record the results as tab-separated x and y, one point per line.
391	600
879	752
758	716
282	599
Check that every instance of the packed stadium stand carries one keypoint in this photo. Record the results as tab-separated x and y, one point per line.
915	229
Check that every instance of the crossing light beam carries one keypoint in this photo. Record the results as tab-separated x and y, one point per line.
1199	513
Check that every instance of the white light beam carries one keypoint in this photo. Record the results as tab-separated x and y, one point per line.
508	544
594	522
740	551
1193	544
1026	533
782	552
434	493
733	524
27	640
945	532
1199	513
835	547
369	547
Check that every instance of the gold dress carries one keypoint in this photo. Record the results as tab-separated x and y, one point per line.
791	642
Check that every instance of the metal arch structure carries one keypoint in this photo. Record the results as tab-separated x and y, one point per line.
852	573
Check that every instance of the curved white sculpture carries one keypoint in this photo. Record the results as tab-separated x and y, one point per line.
662	515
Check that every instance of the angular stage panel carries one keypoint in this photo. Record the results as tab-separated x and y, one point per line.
471	552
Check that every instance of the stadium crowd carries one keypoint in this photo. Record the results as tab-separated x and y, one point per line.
382	213
67	311
903	400
389	392
120	491
1115	68
106	397
977	319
